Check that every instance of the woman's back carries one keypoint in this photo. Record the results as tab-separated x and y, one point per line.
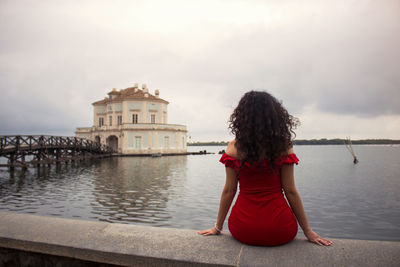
254	176
261	215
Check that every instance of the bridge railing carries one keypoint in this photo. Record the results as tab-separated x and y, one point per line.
16	142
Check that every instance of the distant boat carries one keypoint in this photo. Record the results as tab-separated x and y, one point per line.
156	155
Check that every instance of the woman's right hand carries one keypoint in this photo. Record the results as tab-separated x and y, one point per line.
211	231
315	238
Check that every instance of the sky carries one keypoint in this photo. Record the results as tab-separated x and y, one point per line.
335	65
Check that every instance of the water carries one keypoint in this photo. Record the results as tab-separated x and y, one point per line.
341	199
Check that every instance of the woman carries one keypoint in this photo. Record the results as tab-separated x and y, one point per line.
261	159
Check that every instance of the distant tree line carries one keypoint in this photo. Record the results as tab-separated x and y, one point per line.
339	141
322	141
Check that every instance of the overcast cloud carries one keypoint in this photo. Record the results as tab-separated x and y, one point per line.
334	64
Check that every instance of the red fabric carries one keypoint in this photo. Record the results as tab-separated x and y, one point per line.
261	216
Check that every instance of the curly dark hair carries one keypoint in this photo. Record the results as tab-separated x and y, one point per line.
263	128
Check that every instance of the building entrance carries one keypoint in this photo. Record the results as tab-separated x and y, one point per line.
112	141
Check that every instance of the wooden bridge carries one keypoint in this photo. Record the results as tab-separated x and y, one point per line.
38	150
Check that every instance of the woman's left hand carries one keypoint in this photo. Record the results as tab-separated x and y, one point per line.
211	231
315	238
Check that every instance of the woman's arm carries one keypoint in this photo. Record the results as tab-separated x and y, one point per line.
293	197
228	193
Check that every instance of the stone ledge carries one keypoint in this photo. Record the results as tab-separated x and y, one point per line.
134	245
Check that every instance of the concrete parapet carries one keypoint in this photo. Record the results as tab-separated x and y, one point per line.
134	245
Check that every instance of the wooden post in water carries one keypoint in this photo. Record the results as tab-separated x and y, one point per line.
349	147
24	167
58	157
12	162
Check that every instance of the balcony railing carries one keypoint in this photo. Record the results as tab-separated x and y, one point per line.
137	126
153	126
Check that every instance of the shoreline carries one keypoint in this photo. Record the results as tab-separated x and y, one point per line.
322	141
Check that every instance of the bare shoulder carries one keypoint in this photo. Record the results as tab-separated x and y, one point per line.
288	152
231	149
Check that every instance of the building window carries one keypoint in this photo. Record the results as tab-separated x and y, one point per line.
166	142
110	120
138	142
101	121
135	118
119	118
153	118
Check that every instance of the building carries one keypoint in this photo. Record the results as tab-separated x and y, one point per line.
133	121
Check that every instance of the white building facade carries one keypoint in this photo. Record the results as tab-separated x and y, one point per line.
133	121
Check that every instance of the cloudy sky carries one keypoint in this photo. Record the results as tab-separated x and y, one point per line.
334	64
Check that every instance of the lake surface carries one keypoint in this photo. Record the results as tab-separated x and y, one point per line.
341	199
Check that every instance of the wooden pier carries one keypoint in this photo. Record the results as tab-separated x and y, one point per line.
40	150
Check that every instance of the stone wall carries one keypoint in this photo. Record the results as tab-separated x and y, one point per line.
14	257
39	239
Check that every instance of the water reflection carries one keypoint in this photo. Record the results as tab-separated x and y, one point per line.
115	190
136	189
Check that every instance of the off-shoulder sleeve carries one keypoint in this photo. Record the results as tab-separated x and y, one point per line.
230	162
289	159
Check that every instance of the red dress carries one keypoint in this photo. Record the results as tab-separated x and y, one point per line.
261	216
